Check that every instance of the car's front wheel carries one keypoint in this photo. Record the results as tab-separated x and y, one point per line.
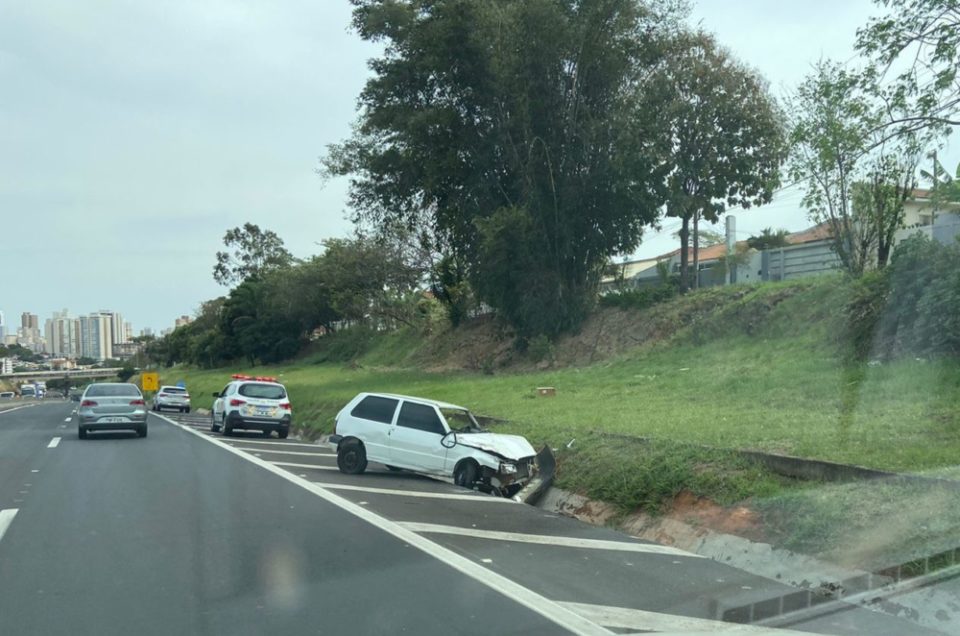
466	474
351	457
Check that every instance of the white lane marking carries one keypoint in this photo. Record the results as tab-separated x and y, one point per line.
67	419
6	518
34	471
415	493
568	620
626	618
292	465
566	542
278	452
54	442
16	408
253	441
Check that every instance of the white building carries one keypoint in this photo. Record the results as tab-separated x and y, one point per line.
63	335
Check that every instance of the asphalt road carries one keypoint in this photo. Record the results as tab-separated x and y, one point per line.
191	533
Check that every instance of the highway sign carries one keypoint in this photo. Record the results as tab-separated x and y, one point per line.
150	381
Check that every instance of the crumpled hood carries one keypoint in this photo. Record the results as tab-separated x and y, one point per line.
509	446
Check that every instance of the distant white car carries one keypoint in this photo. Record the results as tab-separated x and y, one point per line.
430	437
172	397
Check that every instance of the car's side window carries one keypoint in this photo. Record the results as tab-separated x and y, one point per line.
376	409
226	390
420	417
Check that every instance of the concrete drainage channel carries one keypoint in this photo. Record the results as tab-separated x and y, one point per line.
905	590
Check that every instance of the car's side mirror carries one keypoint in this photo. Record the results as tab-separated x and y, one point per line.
216	395
449	440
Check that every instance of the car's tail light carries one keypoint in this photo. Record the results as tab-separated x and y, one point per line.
285	406
88	403
186	397
137	403
236	402
162	395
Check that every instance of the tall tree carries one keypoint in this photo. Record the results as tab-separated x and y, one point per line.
914	50
831	119
726	133
510	121
255	252
855	178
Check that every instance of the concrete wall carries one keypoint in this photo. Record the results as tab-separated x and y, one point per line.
797	261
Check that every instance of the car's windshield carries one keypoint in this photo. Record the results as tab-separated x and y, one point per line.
460	420
263	391
692	268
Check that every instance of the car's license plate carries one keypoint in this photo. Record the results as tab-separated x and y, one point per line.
113	420
264	411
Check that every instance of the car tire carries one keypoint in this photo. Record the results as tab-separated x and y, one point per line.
283	433
227	427
213	424
186	410
351	457
142	431
393	468
266	433
466	474
81	432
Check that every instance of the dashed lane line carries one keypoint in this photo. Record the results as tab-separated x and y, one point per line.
54	442
6	518
566	542
278	452
414	493
314	466
253	441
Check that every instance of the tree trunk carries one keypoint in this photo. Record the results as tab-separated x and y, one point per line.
684	256
883	253
696	250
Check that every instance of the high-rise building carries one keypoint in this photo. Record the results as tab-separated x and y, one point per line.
127	332
29	321
63	335
3	328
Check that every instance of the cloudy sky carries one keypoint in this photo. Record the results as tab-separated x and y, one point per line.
134	133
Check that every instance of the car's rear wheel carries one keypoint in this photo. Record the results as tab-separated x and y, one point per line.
466	474
227	427
351	457
282	433
186	410
213	424
81	432
142	431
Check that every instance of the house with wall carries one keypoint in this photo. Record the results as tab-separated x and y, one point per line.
809	253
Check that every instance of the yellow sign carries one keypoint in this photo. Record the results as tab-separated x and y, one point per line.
150	381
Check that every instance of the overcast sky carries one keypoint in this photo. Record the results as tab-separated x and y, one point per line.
134	133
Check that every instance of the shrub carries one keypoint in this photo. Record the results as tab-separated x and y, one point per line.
638	298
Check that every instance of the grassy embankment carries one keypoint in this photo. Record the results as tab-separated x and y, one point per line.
742	367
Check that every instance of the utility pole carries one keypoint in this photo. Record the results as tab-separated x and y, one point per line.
936	178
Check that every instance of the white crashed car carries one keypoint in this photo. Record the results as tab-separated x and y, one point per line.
430	437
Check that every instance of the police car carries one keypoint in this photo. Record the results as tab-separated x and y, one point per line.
252	403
